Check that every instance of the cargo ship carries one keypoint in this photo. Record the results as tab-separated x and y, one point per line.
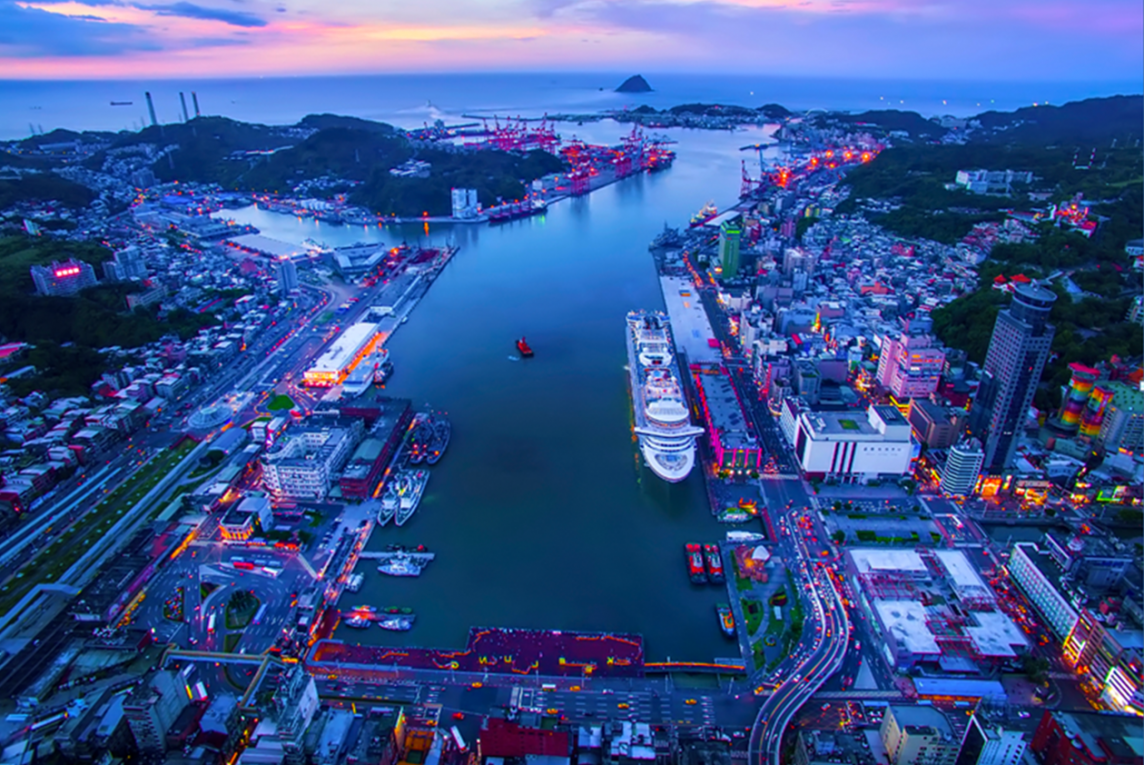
726	619
695	569
706	213
442	431
714	564
524	348
662	420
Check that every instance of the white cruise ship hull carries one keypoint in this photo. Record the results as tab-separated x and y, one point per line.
667	447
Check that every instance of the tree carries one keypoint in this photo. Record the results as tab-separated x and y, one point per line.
839	537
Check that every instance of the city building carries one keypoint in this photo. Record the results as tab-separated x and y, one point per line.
990	743
465	205
938	427
733	440
962	468
931	608
918	735
287	275
65	278
854	449
797	260
1087	738
1122	427
242	518
1039	577
125	265
153	706
346	352
304	460
729	258
1110	659
910	366
991	181
1017	354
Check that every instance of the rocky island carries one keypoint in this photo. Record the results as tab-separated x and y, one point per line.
634	84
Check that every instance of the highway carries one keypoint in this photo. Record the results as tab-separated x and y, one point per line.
820	653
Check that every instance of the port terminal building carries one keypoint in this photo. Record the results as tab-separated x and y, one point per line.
932	610
853	449
344	354
389	419
735	445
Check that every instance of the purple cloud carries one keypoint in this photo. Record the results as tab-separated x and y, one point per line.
193	11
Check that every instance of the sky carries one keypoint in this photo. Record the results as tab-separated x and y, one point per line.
979	40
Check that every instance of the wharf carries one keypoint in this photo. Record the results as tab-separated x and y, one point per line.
690	327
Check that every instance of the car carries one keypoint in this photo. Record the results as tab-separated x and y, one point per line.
691	702
458	715
574	688
825	707
552	711
623	705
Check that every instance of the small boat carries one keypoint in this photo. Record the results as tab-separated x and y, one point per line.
714	564
388	507
396	623
121	103
409	499
695	567
524	348
439	440
354	583
357	622
726	619
401	565
419	440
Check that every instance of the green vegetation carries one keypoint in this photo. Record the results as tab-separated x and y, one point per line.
230	641
205	589
752	614
839	537
281	402
1036	667
741	582
67	330
759	654
240	609
43	187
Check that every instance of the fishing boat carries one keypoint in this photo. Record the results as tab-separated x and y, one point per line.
726	619
410	497
442	430
400	623
524	348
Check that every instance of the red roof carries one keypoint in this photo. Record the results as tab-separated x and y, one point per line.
506	738
1021	279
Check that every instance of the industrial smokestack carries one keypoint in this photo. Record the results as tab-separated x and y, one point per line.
151	109
183	99
195	98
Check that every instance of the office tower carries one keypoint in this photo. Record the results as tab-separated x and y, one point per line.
1017	354
287	274
729	234
152	707
65	278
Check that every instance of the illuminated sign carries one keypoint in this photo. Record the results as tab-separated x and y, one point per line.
69	271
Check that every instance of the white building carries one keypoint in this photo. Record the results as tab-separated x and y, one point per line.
962	467
465	205
1038	576
987	743
303	462
354	344
918	735
840	445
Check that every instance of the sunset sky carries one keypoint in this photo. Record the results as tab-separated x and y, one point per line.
1045	40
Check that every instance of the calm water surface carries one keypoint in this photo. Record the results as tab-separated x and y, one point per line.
539	512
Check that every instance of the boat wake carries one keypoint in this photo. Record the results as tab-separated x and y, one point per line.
514	358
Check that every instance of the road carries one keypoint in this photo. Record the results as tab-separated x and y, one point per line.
820	653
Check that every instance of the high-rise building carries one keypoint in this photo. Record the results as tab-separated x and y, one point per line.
65	278
465	206
127	264
962	467
1039	577
287	274
729	234
990	743
1017	354
910	366
1123	423
152	707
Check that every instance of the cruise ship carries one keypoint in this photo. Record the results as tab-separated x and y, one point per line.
662	421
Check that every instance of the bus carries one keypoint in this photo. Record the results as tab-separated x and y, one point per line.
245	565
258	616
210	623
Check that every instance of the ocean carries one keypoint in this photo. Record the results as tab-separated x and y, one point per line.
412	100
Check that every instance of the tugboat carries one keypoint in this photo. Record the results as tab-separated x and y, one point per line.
401	623
714	564
726	619
524	348
442	430
411	496
695	568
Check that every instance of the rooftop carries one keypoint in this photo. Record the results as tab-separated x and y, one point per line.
906	621
689	324
725	411
922	716
878	561
348	344
264	245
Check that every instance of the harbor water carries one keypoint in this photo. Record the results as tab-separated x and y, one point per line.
540	513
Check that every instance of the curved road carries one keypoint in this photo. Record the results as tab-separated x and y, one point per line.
821	654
